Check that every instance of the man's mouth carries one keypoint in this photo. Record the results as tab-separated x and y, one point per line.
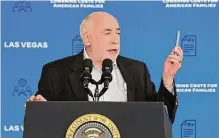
113	50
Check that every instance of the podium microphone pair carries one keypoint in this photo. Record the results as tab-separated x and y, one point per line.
106	77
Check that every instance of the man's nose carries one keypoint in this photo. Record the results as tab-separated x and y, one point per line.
115	39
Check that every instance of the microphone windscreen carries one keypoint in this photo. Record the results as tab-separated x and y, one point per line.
88	64
107	64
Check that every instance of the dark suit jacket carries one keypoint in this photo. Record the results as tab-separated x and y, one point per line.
60	81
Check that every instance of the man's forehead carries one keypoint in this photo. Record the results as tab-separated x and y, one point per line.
106	26
104	22
109	24
102	18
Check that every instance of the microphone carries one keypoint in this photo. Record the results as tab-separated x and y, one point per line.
106	77
107	67
86	74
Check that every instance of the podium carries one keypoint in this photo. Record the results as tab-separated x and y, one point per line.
74	119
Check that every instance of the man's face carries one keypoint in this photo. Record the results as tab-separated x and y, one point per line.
105	38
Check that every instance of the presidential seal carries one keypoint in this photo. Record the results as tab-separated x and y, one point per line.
92	126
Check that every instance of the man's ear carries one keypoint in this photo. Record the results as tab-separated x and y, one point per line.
87	39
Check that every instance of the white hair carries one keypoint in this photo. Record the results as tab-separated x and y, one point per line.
85	24
84	27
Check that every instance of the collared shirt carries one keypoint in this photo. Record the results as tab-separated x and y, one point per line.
117	90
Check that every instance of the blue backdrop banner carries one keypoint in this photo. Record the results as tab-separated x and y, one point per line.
35	33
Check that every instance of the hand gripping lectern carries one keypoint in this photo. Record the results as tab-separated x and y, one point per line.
70	119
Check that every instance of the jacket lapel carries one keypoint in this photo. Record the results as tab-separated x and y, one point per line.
74	78
126	71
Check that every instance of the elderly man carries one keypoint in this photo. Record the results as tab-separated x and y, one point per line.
100	32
